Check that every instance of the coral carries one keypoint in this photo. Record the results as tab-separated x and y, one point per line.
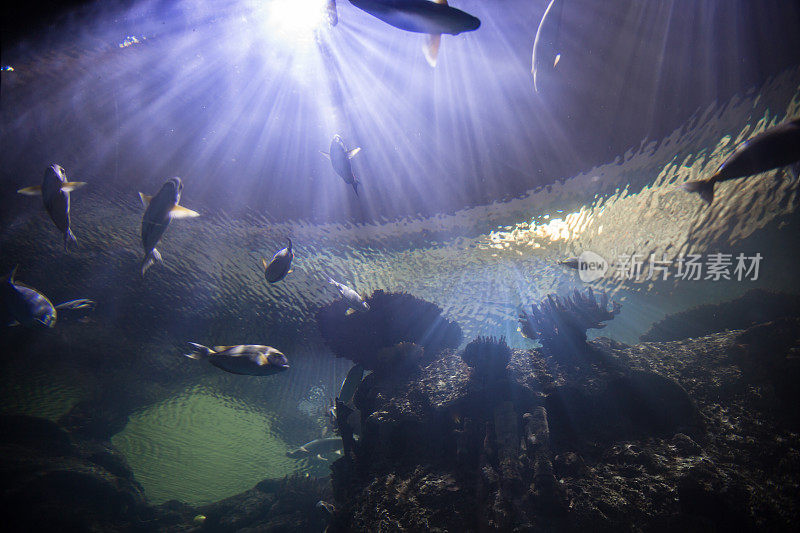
487	356
561	322
393	318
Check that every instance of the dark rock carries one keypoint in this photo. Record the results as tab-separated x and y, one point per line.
754	307
717	502
96	419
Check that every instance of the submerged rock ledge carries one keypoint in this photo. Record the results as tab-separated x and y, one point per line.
694	434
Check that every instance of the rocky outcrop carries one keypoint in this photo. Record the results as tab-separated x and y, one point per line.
652	436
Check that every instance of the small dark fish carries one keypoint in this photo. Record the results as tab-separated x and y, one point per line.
773	148
27	306
280	265
161	208
354	299
340	158
244	359
325	507
571	262
421	16
317	448
545	44
55	191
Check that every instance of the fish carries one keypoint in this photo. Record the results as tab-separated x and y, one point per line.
422	16
318	448
571	262
330	13
280	265
55	191
350	384
25	305
160	209
340	158
776	147
242	359
354	299
545	44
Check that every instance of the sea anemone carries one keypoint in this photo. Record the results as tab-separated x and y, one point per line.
561	322
392	318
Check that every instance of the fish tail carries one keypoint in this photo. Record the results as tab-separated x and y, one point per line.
705	188
69	237
199	352
356	183
150	259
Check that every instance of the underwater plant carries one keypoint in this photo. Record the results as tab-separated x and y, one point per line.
561	322
487	356
393	318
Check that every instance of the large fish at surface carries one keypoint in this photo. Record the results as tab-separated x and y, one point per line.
773	148
340	158
244	359
545	44
20	304
55	191
421	16
161	208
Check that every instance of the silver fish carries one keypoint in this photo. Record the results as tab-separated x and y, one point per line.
354	299
161	208
340	158
244	359
317	447
55	191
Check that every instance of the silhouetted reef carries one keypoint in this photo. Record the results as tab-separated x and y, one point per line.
753	307
697	434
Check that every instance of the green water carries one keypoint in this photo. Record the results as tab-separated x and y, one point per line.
199	447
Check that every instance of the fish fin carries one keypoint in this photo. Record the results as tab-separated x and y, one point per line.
80	303
72	185
326	154
69	237
289	271
321	458
262	360
289	247
443	2
353	152
556	60
181	212
34	190
356	183
13	323
431	48
200	352
522	332
10	275
264	263
349	311
705	188
150	259
145	198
